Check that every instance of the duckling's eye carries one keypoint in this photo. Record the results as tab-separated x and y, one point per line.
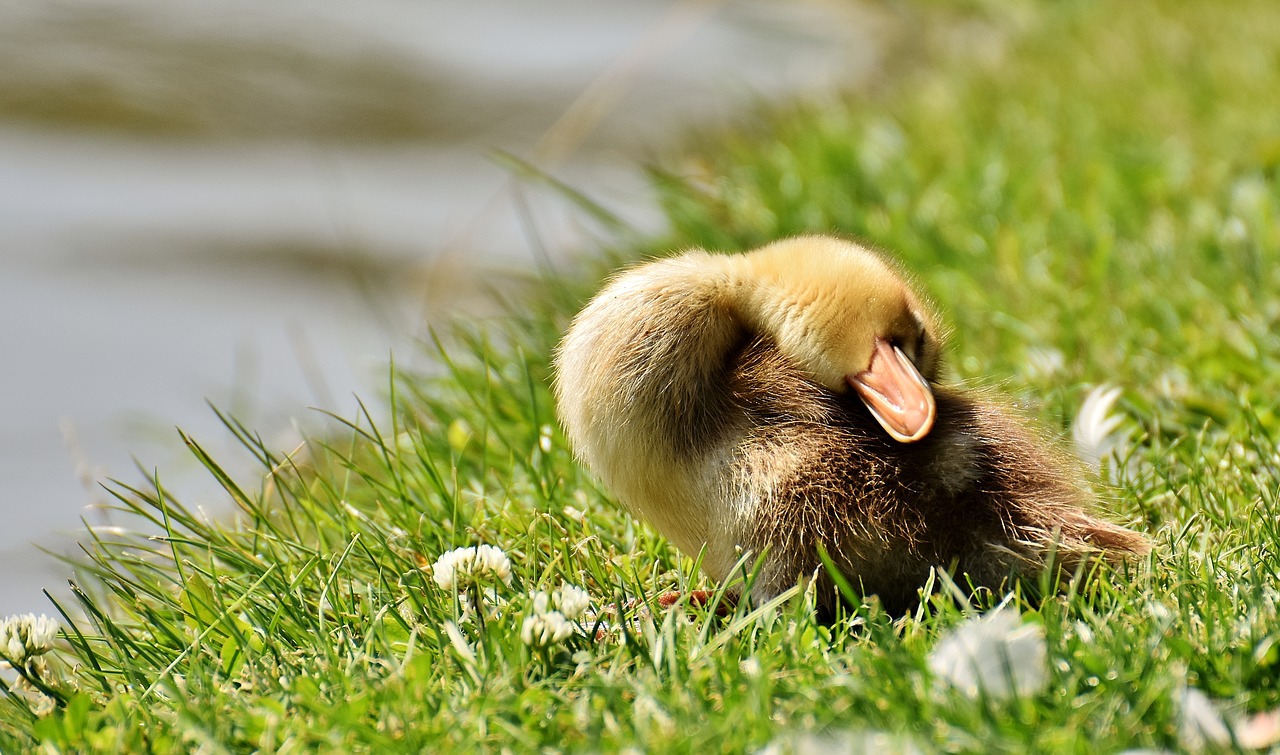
919	356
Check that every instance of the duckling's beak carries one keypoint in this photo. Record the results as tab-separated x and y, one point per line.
896	393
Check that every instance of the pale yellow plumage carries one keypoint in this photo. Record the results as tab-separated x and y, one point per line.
785	398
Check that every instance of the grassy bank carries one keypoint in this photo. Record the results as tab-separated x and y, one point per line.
1089	191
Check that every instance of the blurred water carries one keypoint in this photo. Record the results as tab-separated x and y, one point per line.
241	202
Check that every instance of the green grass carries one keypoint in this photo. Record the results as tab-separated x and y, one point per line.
1096	181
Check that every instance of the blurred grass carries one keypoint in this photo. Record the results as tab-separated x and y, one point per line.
1090	192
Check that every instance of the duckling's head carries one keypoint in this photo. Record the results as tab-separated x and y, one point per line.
851	322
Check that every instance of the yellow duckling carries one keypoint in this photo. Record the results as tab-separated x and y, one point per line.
786	398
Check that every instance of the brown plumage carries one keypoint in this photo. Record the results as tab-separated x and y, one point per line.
775	401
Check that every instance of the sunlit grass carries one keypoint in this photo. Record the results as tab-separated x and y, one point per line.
1091	197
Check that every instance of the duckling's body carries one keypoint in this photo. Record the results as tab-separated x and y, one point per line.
782	400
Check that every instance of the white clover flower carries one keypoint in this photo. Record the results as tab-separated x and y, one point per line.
851	741
442	570
1096	430
571	600
539	602
26	636
545	629
1259	731
996	655
495	561
1200	725
37	701
462	567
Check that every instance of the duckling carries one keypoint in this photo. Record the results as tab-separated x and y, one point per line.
784	400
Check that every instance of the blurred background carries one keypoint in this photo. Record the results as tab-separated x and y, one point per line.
257	204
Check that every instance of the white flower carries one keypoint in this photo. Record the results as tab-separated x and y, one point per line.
996	655
1200	725
1095	428
544	629
41	704
853	742
461	567
540	602
1258	731
571	600
26	636
546	626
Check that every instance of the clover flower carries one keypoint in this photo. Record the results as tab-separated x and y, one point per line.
571	600
1258	731
539	602
26	636
1200	725
860	741
545	629
462	567
996	655
551	615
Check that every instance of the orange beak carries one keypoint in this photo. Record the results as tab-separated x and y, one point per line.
896	393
